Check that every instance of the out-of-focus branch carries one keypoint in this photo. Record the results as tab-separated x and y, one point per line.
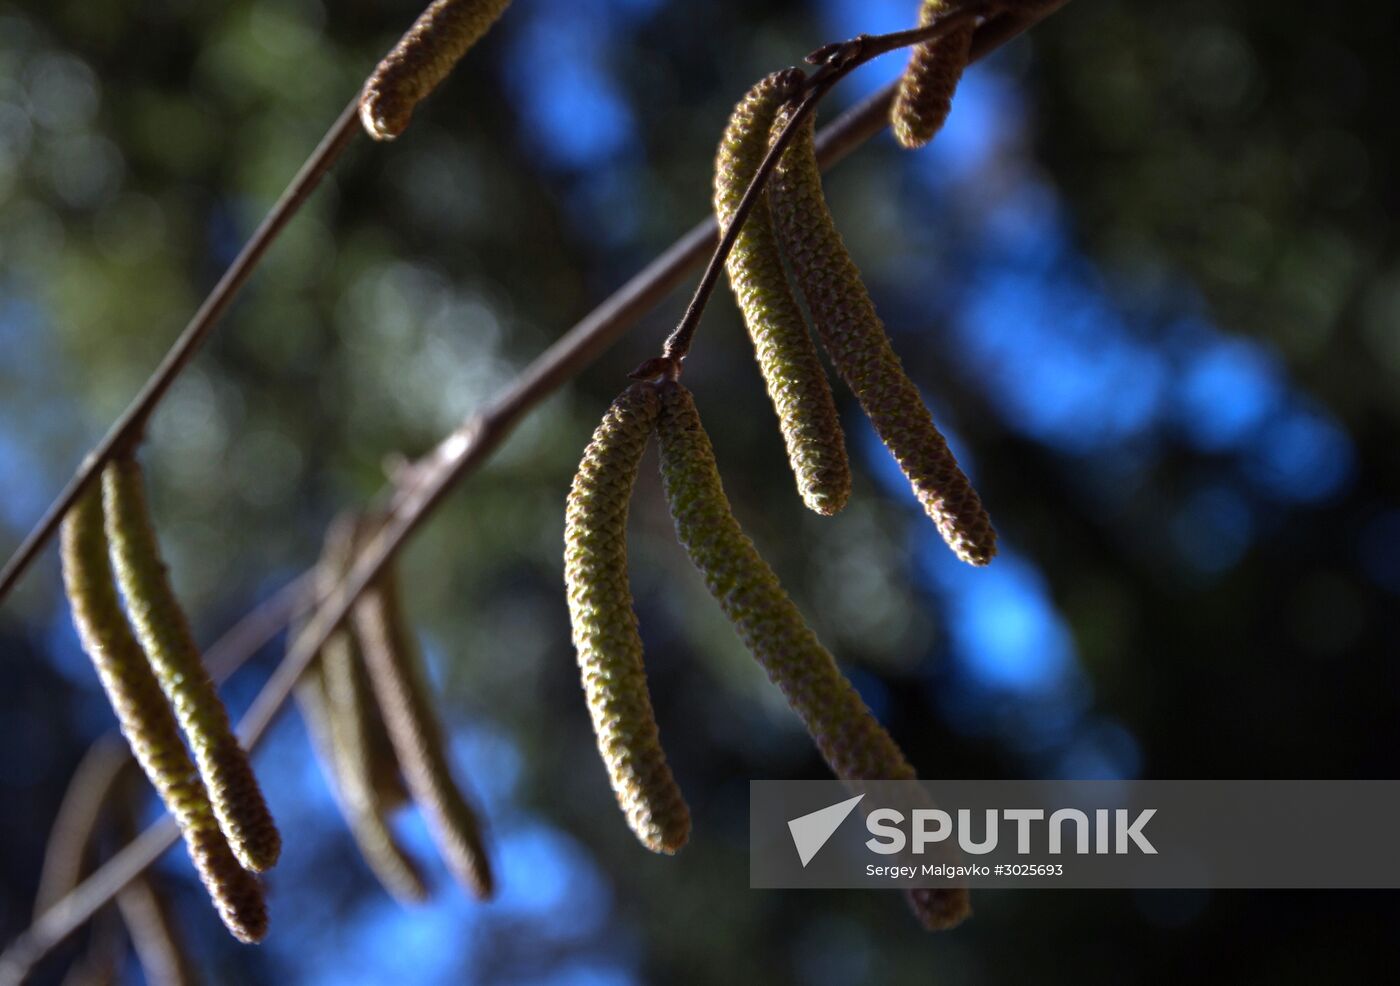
423	485
127	429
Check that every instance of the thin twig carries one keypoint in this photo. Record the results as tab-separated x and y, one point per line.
126	430
456	457
257	628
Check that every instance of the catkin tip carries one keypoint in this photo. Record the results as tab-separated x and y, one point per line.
423	57
926	88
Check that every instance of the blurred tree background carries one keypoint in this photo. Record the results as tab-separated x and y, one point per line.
1147	276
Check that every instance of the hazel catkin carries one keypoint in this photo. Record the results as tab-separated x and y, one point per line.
423	57
787	357
341	715
605	625
850	738
165	635
397	678
855	340
146	719
926	88
359	803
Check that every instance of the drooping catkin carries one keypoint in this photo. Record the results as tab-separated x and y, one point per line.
398	680
361	806
850	738
147	720
787	357
855	339
165	635
926	88
334	699
423	57
605	625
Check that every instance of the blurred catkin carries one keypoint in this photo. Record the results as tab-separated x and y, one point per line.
399	684
360	805
147	720
605	625
926	88
68	852
165	635
423	57
340	712
160	948
855	339
787	357
850	738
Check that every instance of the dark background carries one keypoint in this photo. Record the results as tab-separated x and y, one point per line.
1147	277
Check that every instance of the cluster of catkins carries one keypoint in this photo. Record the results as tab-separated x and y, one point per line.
365	697
99	811
379	750
366	701
788	229
156	682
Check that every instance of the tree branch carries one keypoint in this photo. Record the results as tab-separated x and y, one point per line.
126	430
426	483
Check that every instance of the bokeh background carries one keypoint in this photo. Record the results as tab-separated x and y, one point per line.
1147	277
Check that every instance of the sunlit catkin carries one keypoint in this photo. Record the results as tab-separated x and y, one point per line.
165	635
855	339
399	683
605	625
787	356
926	89
147	720
423	57
850	738
334	699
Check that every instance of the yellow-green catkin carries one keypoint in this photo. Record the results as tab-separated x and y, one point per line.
398	680
334	699
147	720
855	339
787	357
850	738
926	88
605	625
424	56
165	635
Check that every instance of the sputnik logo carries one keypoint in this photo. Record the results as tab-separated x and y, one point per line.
811	832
